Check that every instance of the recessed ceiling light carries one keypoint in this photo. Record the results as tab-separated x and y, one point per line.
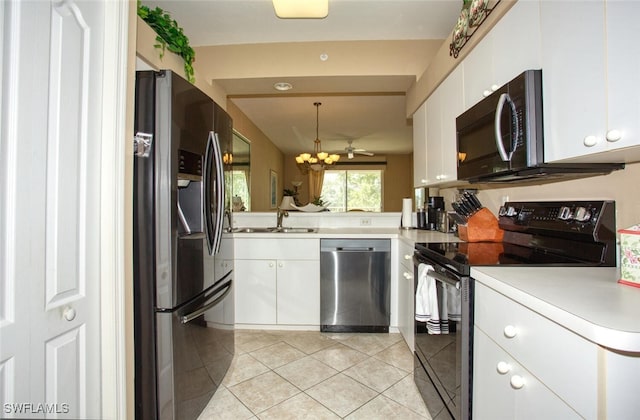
324	57
283	86
297	9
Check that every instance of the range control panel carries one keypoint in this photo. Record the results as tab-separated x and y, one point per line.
560	218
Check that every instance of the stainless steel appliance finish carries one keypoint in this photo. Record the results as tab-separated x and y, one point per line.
501	138
179	205
567	233
355	282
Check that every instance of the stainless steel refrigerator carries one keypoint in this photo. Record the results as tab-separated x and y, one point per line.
180	209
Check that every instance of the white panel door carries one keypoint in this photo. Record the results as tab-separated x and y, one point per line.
50	165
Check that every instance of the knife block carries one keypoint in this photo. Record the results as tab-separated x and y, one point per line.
482	226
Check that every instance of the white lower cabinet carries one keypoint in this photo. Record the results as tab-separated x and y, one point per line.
256	282
554	363
503	389
406	294
277	281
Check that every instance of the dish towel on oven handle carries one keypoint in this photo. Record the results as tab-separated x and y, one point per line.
427	307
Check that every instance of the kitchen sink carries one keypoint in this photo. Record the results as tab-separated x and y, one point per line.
274	230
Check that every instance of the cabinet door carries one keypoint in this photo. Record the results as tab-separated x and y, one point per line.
574	91
452	105
298	292
623	68
516	42
420	146
406	309
434	137
478	72
255	292
502	389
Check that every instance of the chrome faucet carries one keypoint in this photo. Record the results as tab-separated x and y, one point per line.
227	214
281	213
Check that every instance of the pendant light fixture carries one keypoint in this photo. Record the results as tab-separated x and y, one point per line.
319	159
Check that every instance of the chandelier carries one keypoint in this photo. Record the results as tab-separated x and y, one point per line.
319	159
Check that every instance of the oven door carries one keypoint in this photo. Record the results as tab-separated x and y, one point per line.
443	356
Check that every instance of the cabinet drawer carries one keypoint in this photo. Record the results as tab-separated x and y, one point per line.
405	254
503	389
274	249
562	360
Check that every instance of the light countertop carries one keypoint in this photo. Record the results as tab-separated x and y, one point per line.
410	236
587	301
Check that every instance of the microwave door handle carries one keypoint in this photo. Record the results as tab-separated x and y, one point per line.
498	130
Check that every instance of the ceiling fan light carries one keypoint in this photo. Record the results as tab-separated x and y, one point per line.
323	155
350	154
297	9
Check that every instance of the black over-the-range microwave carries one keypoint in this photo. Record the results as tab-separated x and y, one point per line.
501	138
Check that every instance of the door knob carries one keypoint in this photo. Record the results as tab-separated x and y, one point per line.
69	313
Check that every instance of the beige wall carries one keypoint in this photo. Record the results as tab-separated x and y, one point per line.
265	156
622	186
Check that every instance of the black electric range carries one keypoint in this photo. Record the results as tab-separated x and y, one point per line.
576	233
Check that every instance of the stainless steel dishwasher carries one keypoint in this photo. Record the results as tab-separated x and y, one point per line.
355	282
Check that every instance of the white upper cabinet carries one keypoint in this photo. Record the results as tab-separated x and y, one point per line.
510	48
573	74
420	146
623	75
434	133
591	69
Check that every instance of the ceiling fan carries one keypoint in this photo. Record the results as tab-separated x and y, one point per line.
351	151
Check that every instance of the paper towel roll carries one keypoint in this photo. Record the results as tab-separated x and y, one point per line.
407	207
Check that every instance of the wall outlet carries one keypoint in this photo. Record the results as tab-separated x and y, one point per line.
365	221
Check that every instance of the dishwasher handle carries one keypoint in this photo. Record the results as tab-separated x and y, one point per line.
351	249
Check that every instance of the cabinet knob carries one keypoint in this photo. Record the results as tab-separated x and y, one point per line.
590	141
516	382
503	368
510	331
614	135
69	313
280	264
423	181
486	93
408	276
271	264
407	256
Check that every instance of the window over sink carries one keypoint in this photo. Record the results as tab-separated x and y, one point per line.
353	190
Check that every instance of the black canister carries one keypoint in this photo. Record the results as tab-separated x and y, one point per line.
435	205
421	218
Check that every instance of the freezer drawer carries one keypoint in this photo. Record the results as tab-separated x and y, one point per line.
355	282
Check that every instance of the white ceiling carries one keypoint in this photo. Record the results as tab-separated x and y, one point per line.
374	121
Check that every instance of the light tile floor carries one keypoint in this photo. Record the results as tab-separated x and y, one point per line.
311	375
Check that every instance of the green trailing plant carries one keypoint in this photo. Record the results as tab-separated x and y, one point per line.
170	36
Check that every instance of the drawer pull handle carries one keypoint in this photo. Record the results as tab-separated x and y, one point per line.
517	382
503	368
510	331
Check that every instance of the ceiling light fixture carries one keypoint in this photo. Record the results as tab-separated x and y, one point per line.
282	86
297	9
319	160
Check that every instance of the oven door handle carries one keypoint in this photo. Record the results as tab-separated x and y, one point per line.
444	279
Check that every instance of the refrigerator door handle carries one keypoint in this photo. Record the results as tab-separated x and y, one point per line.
193	315
219	222
208	168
